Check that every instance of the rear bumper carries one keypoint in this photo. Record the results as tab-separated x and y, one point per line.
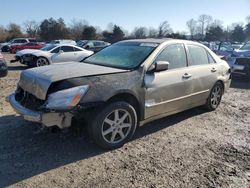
62	120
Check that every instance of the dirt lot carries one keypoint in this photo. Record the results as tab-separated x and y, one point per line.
190	149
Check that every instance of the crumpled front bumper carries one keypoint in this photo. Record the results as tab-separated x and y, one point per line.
62	120
27	114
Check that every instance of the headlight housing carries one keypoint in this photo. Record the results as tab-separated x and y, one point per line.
66	99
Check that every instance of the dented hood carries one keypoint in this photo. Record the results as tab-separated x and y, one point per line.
38	80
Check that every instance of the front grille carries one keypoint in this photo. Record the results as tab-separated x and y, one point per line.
28	100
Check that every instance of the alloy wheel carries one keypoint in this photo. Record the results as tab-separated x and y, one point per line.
41	62
216	96
116	126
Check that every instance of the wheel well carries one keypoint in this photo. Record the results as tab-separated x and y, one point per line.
42	57
129	98
222	83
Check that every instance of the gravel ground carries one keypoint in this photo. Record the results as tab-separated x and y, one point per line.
194	148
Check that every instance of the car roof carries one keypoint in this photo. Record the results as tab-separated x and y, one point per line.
92	40
66	45
151	40
162	40
19	38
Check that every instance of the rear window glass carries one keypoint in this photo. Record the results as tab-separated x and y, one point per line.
197	55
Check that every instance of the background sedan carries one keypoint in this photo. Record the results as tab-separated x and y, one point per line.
51	53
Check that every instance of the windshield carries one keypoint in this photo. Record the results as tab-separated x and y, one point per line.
124	55
48	47
245	47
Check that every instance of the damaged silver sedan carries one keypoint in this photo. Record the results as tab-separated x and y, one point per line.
125	85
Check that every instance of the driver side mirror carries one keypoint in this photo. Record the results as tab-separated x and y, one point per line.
159	66
60	51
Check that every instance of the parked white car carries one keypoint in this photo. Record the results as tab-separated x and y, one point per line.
51	53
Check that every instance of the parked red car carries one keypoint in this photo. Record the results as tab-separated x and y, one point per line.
30	45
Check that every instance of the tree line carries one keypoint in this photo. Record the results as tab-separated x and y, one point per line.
202	28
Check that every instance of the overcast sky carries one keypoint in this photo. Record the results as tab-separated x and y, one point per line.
126	13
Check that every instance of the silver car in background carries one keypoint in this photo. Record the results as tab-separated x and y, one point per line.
122	86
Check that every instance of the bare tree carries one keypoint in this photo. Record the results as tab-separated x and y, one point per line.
140	32
192	27
216	23
235	24
31	28
204	21
14	30
164	29
152	32
77	27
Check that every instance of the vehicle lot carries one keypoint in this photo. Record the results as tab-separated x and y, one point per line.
190	149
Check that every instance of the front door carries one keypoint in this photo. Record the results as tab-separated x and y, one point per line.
166	91
66	53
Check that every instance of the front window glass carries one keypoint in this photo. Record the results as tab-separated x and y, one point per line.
175	55
32	40
56	50
23	41
124	55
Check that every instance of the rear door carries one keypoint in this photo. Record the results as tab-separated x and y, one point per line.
203	71
166	91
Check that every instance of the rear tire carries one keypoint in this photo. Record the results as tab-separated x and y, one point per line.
215	96
114	125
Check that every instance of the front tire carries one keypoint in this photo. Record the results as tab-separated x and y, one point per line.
215	96
113	126
41	61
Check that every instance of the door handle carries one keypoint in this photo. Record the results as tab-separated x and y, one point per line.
186	75
213	69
